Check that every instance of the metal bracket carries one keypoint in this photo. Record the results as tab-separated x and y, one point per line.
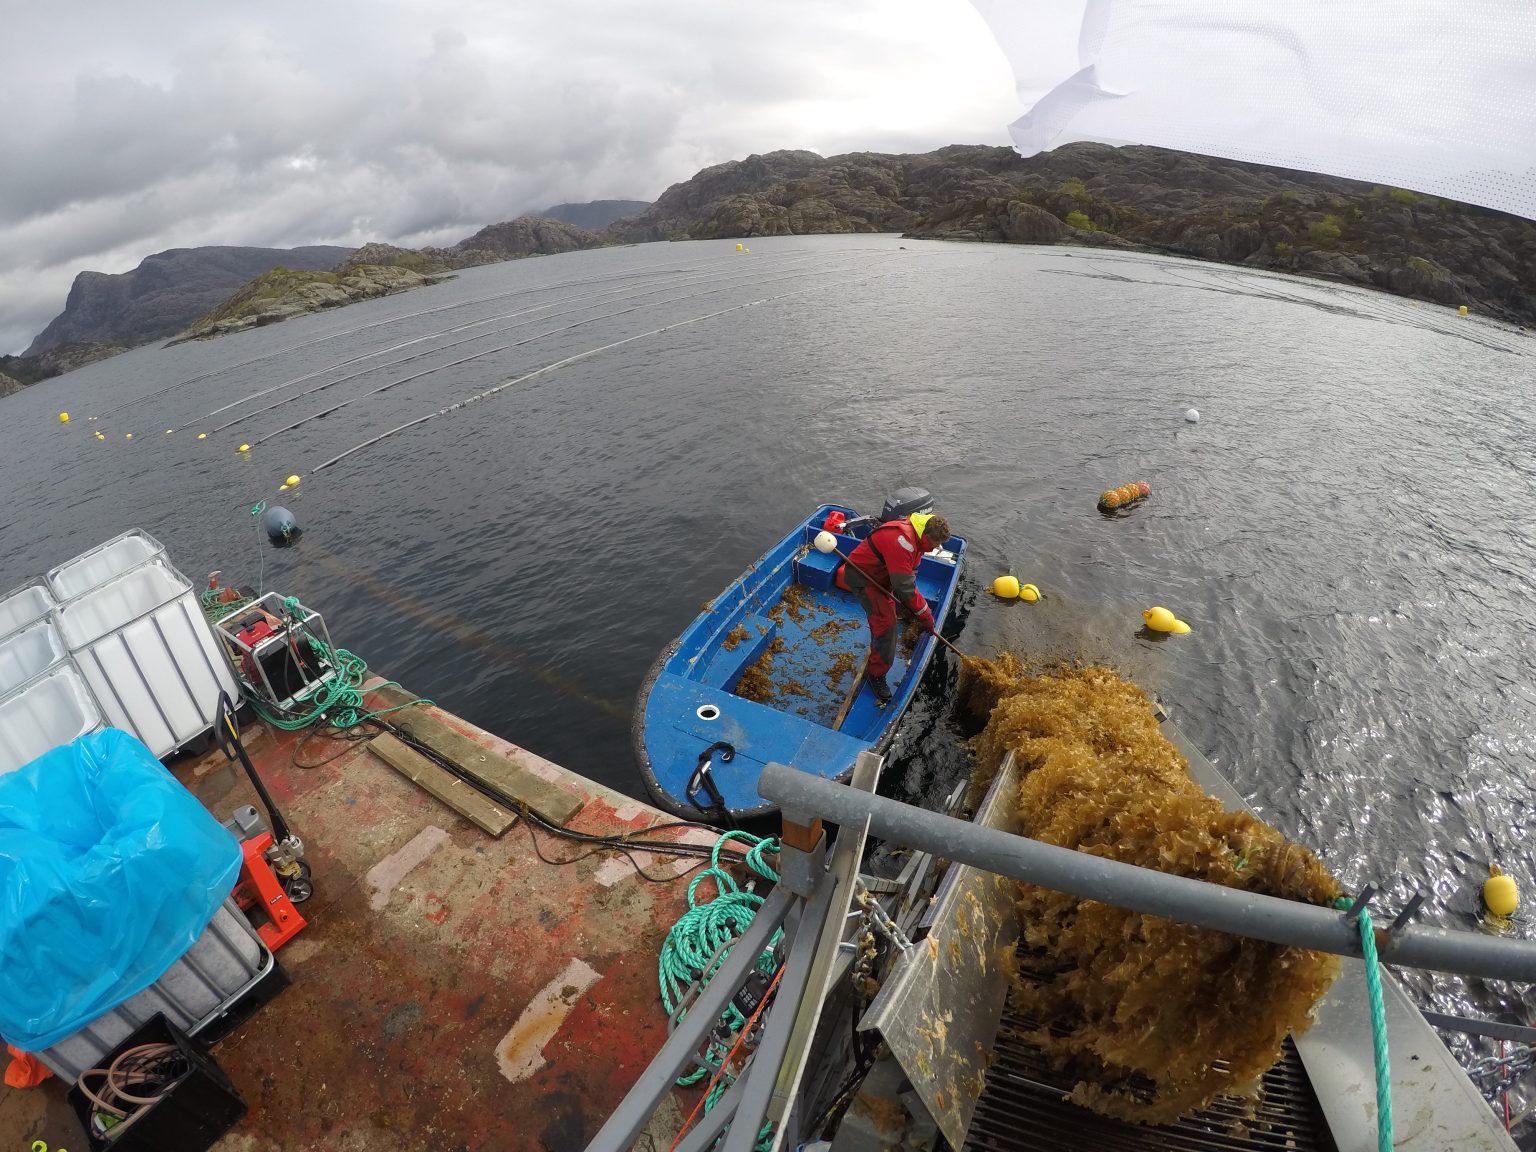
1410	910
1366	895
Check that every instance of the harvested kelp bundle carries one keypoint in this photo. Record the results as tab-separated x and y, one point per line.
1154	1019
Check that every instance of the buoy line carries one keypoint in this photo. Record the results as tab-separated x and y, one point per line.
526	290
620	294
489	298
558	364
515	344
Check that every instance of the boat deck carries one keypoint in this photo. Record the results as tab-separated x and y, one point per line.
451	991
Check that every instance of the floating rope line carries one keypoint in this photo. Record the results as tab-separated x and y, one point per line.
367	327
558	364
622	294
518	344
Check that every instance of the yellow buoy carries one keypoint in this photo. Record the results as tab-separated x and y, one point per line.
1007	587
738	247
243	448
1029	593
202	435
63	417
1462	310
1500	893
291	482
1161	620
129	435
100	436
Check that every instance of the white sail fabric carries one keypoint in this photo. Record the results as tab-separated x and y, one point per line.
1431	95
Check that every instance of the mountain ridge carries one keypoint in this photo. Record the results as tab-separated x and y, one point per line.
1134	197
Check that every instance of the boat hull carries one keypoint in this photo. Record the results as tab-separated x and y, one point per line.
773	670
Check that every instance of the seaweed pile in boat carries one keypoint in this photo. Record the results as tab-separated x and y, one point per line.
1153	1019
756	682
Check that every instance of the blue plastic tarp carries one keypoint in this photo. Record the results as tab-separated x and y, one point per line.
109	871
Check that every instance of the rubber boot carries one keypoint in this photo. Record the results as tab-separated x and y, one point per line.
880	688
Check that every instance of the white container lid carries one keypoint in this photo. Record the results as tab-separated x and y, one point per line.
29	653
119	602
94	568
23	605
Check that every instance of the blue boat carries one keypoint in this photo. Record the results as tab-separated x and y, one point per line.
773	670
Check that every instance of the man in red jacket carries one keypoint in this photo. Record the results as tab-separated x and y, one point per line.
882	572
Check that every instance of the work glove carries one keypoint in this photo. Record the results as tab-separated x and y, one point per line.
925	619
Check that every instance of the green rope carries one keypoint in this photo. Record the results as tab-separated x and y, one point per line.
1378	1029
338	701
215	609
710	927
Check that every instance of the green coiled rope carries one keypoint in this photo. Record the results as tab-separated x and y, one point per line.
701	938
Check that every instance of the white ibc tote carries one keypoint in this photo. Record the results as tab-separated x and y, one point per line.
27	654
104	562
53	709
225	963
23	606
144	647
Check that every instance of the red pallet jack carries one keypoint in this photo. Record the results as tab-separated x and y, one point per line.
274	877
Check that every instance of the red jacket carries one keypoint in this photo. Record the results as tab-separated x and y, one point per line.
890	555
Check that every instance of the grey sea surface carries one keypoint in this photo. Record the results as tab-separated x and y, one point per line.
1348	528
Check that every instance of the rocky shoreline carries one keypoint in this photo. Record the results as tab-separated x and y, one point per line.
1136	198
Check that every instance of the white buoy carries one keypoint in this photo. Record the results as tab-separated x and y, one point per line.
1192	415
825	542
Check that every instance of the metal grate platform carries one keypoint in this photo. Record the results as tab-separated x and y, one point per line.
1023	1107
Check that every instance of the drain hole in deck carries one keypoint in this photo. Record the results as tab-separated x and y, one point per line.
708	712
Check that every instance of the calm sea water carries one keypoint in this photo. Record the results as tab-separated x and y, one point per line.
1347	529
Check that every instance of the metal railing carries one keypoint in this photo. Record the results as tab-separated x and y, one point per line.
811	901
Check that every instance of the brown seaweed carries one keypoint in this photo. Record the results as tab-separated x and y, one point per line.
1152	1018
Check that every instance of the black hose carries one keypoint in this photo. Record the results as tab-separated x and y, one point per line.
227	736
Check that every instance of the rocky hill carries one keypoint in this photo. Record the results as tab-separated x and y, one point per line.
283	293
380	270
1150	199
525	236
594	215
164	292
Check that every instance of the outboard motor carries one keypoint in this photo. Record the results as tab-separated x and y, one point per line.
905	502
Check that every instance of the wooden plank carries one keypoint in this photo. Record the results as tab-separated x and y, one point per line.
513	780
858	680
437	780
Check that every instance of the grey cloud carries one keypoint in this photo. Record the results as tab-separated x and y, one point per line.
174	123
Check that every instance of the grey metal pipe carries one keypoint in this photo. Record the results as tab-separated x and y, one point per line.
1179	898
624	1124
763	1073
702	1136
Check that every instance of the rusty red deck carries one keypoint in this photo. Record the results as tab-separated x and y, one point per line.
452	992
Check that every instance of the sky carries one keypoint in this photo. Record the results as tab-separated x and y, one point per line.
129	129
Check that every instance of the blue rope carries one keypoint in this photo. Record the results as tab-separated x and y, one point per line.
1378	1030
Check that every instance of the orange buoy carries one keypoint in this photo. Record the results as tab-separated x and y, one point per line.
1125	494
